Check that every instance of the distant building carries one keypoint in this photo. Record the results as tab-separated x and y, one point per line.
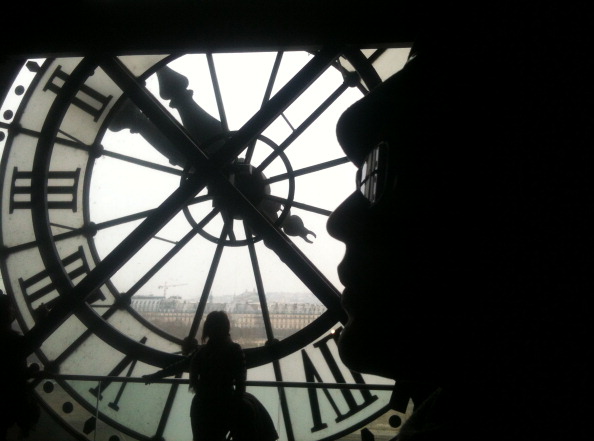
245	312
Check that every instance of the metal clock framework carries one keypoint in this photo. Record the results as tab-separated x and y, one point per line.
234	185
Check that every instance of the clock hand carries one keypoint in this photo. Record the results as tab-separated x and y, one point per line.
292	224
137	161
180	144
267	93
217	91
301	205
200	124
307	170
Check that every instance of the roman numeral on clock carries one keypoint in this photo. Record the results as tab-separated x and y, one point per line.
87	99
348	396
40	285
61	190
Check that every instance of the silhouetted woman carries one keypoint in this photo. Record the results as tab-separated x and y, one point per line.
217	376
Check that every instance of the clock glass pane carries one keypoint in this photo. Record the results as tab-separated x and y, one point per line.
92	150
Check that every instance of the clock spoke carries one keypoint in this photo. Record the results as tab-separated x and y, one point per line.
92	228
167	409
227	227
64	227
282	394
259	285
270	339
272	78
6	251
127	363
167	257
228	221
54	364
163	239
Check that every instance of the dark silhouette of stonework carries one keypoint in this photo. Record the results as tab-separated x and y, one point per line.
18	403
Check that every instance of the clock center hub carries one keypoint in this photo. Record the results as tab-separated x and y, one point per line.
249	181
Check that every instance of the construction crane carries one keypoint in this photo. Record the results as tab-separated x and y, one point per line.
165	286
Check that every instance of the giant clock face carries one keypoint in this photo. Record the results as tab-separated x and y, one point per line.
214	173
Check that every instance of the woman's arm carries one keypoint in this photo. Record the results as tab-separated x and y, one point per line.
239	370
175	368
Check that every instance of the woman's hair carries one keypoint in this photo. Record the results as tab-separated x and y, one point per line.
216	326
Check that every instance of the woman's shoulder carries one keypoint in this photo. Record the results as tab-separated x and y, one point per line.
234	347
235	350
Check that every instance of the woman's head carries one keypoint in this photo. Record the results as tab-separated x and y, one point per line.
216	326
